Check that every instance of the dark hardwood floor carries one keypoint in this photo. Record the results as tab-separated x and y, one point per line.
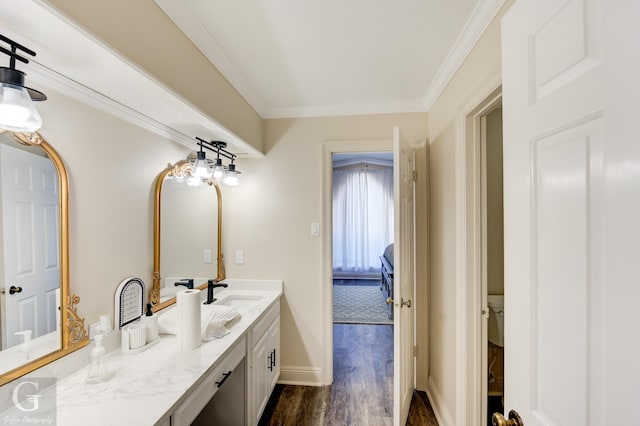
362	390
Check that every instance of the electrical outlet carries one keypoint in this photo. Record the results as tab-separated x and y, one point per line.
239	257
315	229
206	256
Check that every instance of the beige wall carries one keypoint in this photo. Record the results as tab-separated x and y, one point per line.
143	33
445	138
269	215
495	225
112	166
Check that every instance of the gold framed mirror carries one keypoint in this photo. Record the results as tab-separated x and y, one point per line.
38	313
187	237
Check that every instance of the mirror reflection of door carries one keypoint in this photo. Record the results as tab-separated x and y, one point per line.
30	236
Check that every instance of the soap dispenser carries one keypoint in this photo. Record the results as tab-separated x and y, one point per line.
98	370
151	322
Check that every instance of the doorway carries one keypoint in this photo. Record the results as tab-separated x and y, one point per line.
404	283
492	211
362	236
484	256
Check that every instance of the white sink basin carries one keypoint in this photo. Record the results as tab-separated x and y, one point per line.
242	302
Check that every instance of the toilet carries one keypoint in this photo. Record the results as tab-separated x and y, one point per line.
496	319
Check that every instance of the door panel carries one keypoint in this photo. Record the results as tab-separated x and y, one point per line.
403	276
555	137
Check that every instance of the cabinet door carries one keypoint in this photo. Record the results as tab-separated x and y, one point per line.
258	377
274	347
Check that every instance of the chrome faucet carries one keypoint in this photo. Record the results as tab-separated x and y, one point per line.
187	282
211	284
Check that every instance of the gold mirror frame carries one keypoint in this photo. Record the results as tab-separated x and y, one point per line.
182	169
72	331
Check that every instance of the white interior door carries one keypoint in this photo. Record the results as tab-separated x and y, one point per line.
403	269
30	218
572	203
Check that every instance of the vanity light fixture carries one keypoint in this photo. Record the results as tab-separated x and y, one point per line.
220	173
17	112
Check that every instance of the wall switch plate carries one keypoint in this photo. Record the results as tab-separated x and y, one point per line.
206	256
239	257
94	329
315	229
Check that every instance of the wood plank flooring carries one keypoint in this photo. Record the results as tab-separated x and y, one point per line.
362	390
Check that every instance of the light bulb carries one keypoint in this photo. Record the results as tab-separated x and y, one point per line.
201	167
231	178
218	171
17	112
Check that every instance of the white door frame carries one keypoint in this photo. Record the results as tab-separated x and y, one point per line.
328	148
471	330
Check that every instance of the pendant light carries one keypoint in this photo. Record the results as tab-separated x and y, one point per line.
231	178
17	112
201	168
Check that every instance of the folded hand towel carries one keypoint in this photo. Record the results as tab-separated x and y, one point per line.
212	321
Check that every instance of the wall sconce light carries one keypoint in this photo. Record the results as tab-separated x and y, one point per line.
17	112
204	168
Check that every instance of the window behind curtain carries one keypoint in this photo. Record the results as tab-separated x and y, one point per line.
362	218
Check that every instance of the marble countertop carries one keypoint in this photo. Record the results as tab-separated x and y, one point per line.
147	387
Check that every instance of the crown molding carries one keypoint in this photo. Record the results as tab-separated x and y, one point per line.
189	24
102	78
395	107
482	15
49	79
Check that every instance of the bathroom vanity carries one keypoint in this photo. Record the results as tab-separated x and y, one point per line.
163	386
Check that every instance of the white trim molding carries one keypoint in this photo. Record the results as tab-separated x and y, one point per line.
468	279
103	78
188	22
185	19
443	416
301	376
480	18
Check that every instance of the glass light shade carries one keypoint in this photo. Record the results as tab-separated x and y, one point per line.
17	112
231	178
218	171
201	167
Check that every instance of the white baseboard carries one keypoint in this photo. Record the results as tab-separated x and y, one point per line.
437	403
301	376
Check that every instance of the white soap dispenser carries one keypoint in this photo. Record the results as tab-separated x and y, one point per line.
98	371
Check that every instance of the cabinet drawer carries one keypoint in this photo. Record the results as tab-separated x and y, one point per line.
261	328
202	394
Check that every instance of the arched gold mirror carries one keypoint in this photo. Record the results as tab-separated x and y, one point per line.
187	240
38	316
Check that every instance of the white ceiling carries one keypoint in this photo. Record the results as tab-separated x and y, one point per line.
292	58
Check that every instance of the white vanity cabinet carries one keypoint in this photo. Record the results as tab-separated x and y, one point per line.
198	399
264	362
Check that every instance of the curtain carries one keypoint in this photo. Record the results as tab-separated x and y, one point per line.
362	218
